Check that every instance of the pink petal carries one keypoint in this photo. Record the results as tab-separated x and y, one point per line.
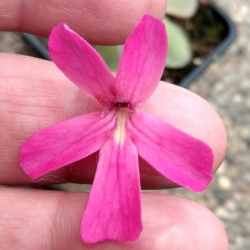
80	63
114	207
175	154
64	143
142	61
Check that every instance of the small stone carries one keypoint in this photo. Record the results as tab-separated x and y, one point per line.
230	205
245	132
218	87
197	61
223	168
246	243
225	183
238	98
221	195
221	212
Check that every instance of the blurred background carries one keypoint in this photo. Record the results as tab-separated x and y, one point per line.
226	86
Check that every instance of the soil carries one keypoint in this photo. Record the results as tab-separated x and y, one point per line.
205	30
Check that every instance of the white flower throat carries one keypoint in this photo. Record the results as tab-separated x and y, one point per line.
122	116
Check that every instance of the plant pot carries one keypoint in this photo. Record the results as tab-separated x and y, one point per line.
211	30
208	17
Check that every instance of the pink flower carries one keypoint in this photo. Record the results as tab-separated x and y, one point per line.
121	131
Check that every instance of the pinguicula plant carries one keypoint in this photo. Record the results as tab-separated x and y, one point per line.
179	46
121	131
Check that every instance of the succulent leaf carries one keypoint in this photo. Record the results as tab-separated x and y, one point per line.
182	8
179	47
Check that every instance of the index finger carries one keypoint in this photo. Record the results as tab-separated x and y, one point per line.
53	220
34	94
99	22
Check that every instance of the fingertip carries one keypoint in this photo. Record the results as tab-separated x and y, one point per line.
54	218
178	223
192	114
99	22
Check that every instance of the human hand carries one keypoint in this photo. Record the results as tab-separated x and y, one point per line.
34	94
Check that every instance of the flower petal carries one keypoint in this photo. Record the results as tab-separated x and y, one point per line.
180	51
80	63
114	207
142	62
64	143
175	154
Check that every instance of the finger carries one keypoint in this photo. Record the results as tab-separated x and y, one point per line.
32	219
101	22
34	94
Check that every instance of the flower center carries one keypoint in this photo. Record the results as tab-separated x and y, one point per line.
121	105
120	130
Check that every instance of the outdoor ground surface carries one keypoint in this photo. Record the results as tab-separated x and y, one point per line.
226	85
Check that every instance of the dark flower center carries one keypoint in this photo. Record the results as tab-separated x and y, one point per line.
121	104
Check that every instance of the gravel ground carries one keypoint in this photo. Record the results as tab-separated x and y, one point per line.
226	85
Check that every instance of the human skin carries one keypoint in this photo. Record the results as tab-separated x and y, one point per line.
34	94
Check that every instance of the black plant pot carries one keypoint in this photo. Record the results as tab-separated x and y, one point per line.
211	31
213	17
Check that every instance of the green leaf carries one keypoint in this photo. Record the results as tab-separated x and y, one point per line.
182	8
179	47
